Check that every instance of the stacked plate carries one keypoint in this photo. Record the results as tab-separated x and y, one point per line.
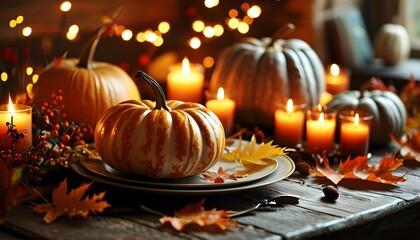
97	170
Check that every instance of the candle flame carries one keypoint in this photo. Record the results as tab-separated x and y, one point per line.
335	70
319	107
321	119
220	93
289	105
356	119
185	66
10	108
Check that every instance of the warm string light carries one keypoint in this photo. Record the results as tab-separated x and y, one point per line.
155	37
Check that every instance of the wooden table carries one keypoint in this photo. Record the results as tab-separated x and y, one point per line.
363	210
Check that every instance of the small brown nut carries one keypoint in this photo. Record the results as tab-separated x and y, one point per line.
303	167
330	192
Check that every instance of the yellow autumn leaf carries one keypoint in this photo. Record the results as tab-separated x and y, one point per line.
251	153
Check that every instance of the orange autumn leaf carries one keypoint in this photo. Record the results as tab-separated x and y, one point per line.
71	203
218	177
358	168
196	214
409	144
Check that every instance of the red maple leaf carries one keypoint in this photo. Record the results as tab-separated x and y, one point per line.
358	168
196	214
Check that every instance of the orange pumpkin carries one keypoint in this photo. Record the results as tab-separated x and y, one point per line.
162	139
88	87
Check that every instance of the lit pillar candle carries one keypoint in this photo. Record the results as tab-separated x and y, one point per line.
337	81
288	124
21	116
224	109
354	134
185	82
320	131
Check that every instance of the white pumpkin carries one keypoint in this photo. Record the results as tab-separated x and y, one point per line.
392	43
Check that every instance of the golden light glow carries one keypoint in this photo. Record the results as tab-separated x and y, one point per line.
29	71
185	66
243	27
289	105
127	35
19	19
220	93
208	32
35	78
158	42
335	70
140	37
74	29
254	11
208	62
12	23
65	6
164	27
71	36
356	119
218	30
4	76
151	37
233	23
198	26
29	89
195	42
211	3
27	31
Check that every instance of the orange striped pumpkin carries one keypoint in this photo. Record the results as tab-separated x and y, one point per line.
162	139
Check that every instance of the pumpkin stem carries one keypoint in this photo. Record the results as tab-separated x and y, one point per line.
157	90
86	56
88	51
281	32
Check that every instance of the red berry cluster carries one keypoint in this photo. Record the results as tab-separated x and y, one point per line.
52	142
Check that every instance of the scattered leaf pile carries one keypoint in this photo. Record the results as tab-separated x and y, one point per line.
358	168
71	203
196	214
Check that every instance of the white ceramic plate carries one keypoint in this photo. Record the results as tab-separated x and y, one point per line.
285	167
100	168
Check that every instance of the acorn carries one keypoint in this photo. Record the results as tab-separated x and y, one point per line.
331	192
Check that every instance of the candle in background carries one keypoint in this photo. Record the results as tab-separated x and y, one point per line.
354	133
320	130
288	124
224	109
337	81
185	82
22	119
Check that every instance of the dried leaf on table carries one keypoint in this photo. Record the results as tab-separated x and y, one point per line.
196	214
218	177
358	168
71	203
409	144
